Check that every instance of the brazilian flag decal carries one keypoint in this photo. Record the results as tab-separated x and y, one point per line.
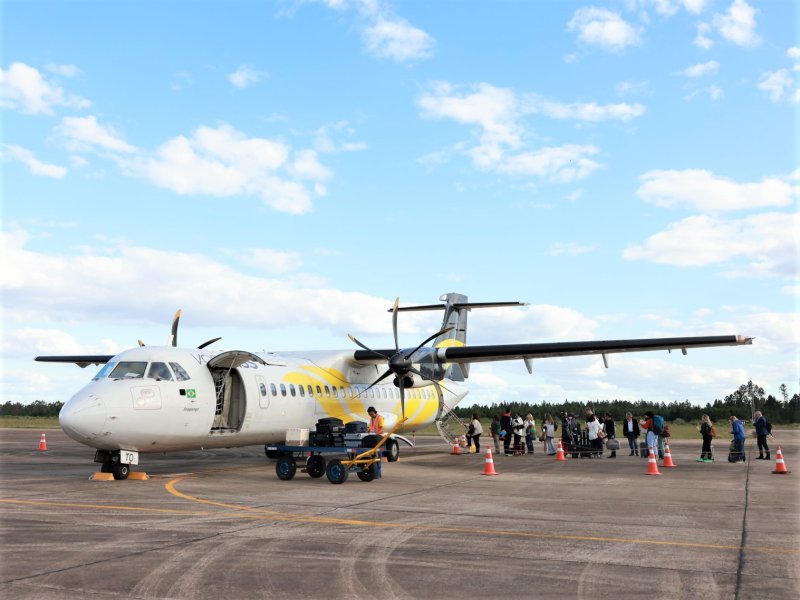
191	394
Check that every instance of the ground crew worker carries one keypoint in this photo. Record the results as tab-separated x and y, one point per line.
375	421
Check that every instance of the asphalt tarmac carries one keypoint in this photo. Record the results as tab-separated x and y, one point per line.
222	525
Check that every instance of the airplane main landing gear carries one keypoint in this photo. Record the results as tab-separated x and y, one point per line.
112	464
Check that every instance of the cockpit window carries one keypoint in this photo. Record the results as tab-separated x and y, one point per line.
102	373
128	370
180	372
159	372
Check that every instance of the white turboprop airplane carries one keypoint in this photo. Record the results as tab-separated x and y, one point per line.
161	399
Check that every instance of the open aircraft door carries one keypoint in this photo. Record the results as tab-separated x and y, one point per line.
229	388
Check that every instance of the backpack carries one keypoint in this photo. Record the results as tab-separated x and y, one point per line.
658	424
769	427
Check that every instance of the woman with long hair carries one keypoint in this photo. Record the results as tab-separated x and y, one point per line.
708	432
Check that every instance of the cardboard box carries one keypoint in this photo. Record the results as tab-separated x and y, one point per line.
296	436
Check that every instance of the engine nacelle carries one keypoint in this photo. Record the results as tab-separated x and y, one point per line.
411	380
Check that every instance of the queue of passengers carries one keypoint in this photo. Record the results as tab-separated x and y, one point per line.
586	438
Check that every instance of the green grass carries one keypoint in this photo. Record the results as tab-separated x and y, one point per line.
29	422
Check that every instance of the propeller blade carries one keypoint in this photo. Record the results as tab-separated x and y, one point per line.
174	337
208	343
402	397
394	323
434	336
377	381
367	348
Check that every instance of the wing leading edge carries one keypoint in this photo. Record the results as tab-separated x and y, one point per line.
527	352
83	360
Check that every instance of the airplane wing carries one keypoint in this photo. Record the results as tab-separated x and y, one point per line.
528	352
81	360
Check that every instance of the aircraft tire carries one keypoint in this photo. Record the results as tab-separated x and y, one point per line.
315	465
392	451
121	471
336	471
368	473
285	468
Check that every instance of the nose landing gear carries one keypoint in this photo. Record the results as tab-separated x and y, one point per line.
112	464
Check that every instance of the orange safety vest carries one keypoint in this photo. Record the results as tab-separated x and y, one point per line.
376	425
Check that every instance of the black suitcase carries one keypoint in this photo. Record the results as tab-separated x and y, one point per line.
356	427
328	425
644	451
733	455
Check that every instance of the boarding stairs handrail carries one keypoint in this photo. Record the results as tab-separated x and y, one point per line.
447	423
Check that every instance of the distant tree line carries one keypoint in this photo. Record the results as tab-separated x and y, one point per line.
37	408
783	410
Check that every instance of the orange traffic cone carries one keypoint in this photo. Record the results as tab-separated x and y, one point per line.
667	457
463	441
488	466
560	452
652	465
780	466
43	443
456	448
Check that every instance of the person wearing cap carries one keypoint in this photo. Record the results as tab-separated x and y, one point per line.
375	422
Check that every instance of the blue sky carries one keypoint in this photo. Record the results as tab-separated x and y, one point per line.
282	171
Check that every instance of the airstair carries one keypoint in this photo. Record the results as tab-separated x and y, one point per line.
450	427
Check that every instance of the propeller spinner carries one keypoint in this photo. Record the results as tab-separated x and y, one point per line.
400	364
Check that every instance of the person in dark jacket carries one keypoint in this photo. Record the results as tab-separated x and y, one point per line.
708	433
630	427
505	425
761	436
611	432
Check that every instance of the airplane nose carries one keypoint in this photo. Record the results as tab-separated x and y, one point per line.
82	418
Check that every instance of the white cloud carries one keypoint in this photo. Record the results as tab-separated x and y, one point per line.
766	244
561	164
36	167
324	138
778	84
92	285
738	24
702	40
385	34
216	161
701	69
669	8
22	87
602	27
529	323
583	111
398	40
246	76
500	138
63	70
706	192
84	133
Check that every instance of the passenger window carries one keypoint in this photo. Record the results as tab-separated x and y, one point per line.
292	390
283	390
319	391
310	391
180	372
128	370
263	389
335	392
327	392
302	391
159	372
273	389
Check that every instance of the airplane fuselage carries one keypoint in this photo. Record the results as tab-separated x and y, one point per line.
160	399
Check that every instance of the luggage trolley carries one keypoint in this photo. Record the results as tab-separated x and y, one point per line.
365	462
